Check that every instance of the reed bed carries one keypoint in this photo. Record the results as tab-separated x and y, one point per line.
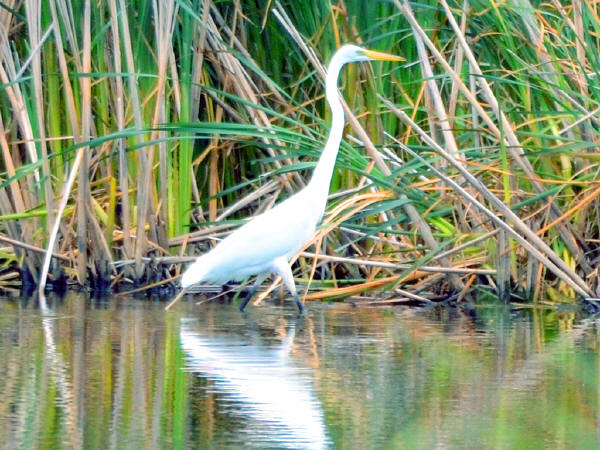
135	134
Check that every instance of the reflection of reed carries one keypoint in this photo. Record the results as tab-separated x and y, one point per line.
110	375
501	390
140	382
69	394
119	384
89	377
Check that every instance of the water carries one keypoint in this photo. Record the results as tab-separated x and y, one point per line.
126	374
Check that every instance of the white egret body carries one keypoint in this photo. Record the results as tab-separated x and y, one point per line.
266	243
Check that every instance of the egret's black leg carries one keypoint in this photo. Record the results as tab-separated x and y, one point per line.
249	295
284	270
299	304
259	279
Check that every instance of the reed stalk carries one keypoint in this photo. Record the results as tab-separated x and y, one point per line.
137	131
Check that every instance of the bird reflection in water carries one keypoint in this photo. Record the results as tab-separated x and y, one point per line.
262	383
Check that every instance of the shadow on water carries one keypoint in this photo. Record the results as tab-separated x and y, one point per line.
125	374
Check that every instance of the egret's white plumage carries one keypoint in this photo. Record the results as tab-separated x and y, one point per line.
266	243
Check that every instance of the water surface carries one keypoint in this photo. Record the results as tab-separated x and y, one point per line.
123	373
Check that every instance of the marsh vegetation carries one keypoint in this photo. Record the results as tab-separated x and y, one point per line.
133	134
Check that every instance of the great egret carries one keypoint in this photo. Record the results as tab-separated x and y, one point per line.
266	243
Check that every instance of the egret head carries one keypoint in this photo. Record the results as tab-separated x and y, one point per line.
350	53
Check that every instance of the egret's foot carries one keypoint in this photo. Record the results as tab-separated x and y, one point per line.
245	302
299	304
249	295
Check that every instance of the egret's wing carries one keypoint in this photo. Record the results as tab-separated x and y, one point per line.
275	233
253	247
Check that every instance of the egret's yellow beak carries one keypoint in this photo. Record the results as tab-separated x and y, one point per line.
383	56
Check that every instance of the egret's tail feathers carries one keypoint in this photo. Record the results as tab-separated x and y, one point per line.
193	274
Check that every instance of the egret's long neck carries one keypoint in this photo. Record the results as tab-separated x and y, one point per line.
321	178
